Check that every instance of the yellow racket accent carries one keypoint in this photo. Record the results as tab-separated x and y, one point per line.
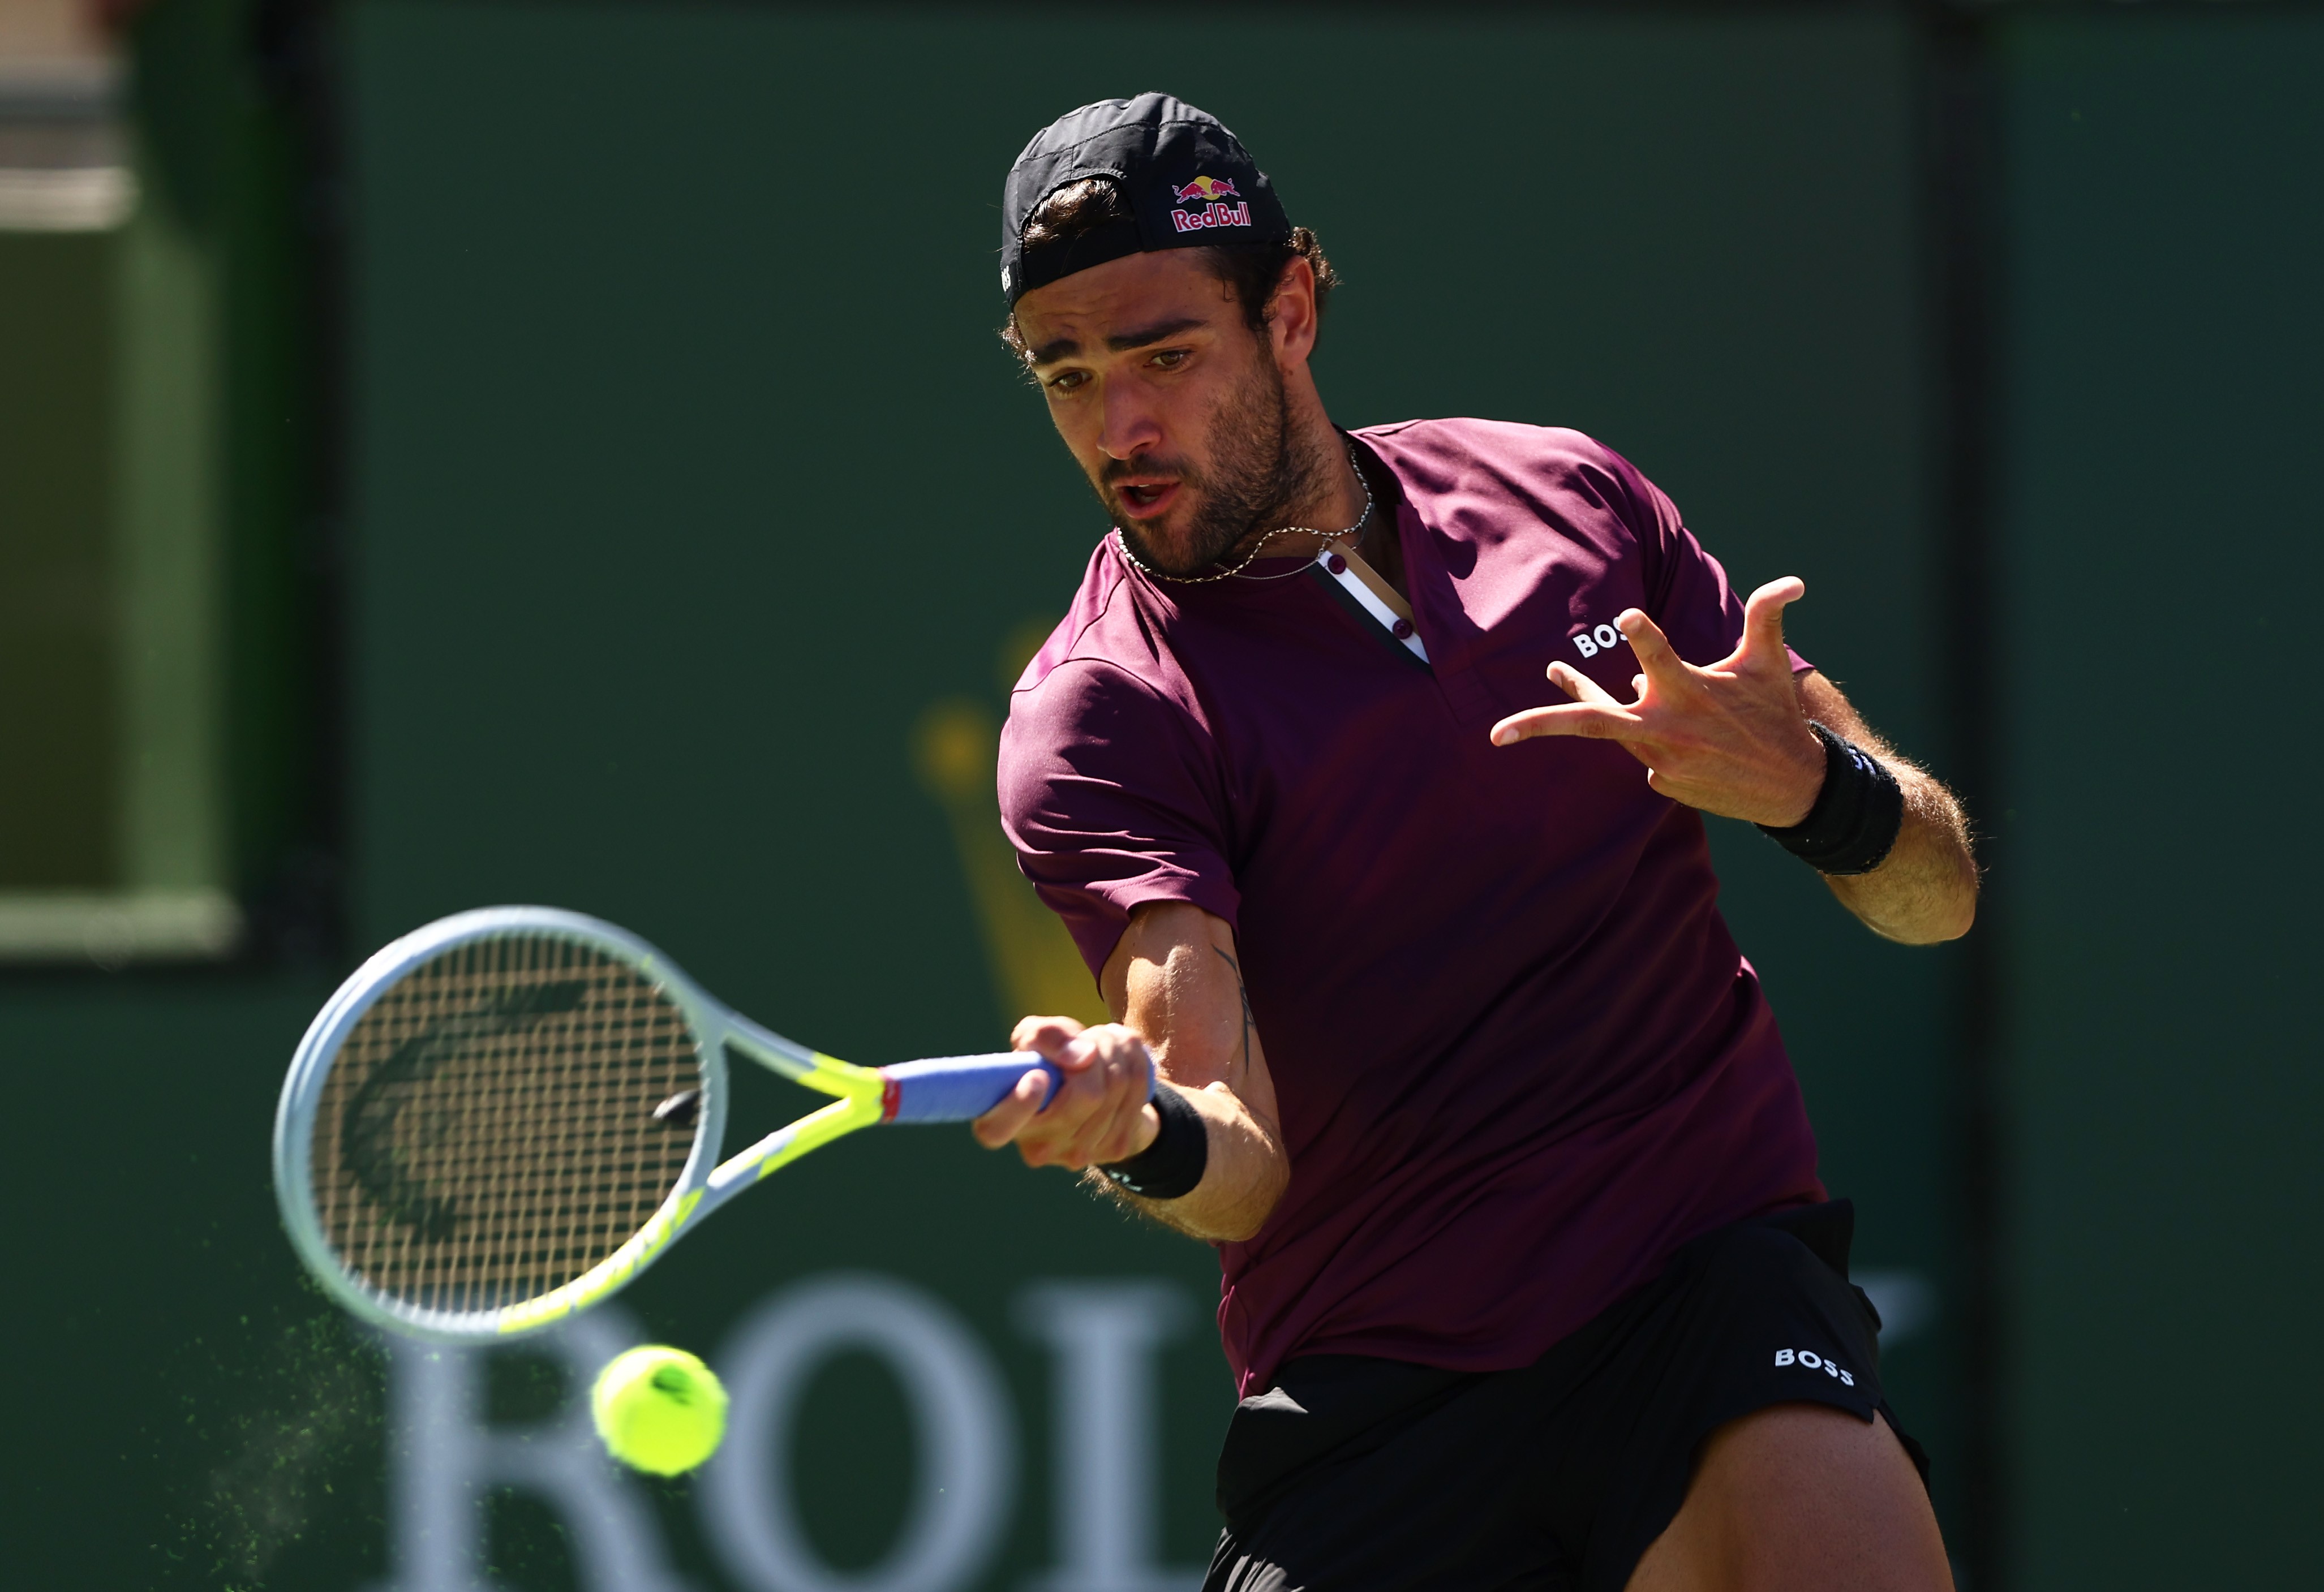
813	1132
862	1102
863	1094
607	1275
843	1079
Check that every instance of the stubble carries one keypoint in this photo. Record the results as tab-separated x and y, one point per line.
1258	470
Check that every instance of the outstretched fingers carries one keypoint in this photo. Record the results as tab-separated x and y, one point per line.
1580	687
1589	718
1763	622
1651	648
1594	712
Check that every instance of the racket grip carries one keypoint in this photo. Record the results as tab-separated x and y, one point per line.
955	1088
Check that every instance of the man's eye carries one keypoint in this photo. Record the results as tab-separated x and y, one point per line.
1169	359
1067	381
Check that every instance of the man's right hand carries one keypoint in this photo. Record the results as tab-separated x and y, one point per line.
1173	980
1102	1111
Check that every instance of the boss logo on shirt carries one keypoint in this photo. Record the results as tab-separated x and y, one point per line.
1590	643
1813	1362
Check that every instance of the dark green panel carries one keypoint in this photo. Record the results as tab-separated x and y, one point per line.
186	1396
2162	550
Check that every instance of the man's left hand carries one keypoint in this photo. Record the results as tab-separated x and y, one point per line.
1730	738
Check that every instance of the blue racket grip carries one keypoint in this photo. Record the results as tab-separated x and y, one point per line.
956	1088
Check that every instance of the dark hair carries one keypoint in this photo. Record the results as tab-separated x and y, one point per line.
1251	272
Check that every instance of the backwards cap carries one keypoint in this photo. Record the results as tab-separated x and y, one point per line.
1188	181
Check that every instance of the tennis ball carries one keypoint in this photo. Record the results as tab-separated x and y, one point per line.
658	1409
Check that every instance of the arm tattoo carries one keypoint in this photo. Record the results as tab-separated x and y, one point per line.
1245	994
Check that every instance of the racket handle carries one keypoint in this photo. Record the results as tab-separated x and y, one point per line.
955	1088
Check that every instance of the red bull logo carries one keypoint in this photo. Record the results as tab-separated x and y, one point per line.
1205	189
1211	193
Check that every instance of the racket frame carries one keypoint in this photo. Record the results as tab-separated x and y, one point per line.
862	1096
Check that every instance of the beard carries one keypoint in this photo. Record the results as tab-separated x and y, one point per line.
1258	470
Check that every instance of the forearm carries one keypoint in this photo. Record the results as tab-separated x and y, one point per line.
1176	979
1925	889
1243	1178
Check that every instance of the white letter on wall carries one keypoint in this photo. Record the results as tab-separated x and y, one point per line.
443	1458
1105	1434
966	1480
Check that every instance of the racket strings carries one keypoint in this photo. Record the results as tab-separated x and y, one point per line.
487	1134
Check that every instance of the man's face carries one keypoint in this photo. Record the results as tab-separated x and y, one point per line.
1174	410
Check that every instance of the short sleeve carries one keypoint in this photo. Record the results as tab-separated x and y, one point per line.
1691	599
1112	796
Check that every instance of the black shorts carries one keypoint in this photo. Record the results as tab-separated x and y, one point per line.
1361	1475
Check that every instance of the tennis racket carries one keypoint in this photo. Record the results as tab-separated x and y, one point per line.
506	1116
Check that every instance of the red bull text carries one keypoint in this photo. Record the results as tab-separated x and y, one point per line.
1211	192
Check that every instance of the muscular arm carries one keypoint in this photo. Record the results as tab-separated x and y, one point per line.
1733	739
1174	985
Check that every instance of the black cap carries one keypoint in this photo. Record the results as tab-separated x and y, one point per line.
1188	181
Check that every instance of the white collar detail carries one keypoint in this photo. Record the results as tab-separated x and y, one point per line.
1374	595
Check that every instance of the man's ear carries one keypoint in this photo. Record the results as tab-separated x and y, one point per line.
1291	312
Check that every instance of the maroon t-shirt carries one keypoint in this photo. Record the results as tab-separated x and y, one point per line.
1520	1058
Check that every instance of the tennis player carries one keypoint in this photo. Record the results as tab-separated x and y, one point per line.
1368	772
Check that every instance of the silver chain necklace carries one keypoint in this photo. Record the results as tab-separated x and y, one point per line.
1352	536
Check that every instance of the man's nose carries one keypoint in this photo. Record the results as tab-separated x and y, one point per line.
1129	426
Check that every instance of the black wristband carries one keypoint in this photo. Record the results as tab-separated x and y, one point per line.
1173	1163
1857	815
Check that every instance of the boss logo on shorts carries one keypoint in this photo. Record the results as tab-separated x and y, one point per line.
1590	643
1813	1362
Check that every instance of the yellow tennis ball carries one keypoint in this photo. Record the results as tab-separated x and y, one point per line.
658	1409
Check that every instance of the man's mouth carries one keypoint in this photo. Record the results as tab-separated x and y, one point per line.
1143	499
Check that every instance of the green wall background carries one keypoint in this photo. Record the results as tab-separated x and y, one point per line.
674	504
2162	554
